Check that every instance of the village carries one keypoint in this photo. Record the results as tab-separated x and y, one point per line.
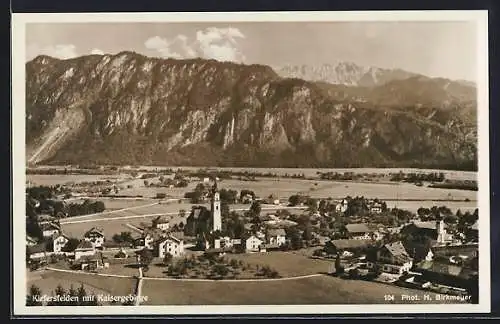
354	238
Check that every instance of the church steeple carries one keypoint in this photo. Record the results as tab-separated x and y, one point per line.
215	208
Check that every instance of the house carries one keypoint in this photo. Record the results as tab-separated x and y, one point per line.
37	252
50	229
392	258
352	246
445	273
30	241
246	199
161	224
435	230
84	248
376	208
95	236
170	244
276	236
58	242
253	243
342	206
358	232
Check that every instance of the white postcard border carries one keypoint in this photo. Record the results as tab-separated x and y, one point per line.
18	159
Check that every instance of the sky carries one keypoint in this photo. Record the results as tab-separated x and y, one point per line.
435	49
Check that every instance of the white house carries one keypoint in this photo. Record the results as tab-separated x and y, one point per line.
95	236
253	244
161	223
172	245
58	242
276	237
50	229
342	206
85	248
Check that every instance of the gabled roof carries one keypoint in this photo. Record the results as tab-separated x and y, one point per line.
447	269
432	225
398	251
84	245
276	232
357	228
94	230
168	238
55	236
42	247
178	235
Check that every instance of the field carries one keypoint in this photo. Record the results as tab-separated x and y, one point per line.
288	264
51	180
48	280
312	290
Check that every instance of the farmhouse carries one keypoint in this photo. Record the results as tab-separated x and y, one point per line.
351	246
392	258
161	224
58	242
37	252
444	273
358	232
172	245
276	237
84	248
50	229
95	236
253	243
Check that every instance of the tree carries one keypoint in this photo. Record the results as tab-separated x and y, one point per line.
31	298
255	209
307	234
167	259
146	183
58	292
146	257
71	245
220	270
294	200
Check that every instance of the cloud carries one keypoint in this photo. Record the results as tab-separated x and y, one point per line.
211	43
61	51
96	51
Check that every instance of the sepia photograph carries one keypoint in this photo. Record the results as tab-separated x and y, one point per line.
241	163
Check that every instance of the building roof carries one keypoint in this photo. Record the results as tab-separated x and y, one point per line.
36	248
276	232
398	251
94	230
31	239
446	269
271	246
357	228
349	244
432	225
84	245
177	234
168	238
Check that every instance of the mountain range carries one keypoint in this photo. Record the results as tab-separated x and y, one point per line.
131	109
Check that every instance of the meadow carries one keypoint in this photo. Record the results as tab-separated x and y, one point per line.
47	281
313	290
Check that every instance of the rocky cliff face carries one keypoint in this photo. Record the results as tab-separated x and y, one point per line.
127	108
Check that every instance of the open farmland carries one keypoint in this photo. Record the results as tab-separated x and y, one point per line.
320	289
54	179
309	172
48	280
324	189
288	264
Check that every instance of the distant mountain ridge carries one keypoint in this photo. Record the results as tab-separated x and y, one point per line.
131	109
